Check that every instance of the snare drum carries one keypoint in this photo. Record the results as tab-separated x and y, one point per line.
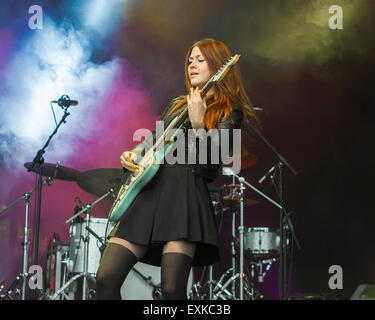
262	242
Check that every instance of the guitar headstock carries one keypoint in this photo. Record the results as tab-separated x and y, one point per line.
225	68
218	76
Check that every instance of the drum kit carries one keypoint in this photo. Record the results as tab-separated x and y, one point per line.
260	248
71	266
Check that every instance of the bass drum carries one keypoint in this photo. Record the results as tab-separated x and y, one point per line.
77	233
136	286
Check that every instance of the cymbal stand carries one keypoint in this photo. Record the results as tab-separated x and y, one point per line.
210	283
61	290
24	275
220	290
233	194
86	239
241	228
234	212
233	245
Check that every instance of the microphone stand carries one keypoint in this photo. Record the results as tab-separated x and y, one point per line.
39	160
283	215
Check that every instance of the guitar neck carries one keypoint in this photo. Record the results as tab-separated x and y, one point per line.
183	115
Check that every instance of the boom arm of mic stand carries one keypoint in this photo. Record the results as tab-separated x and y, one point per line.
256	190
89	206
42	151
26	195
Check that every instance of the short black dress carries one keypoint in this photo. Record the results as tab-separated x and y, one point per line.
175	205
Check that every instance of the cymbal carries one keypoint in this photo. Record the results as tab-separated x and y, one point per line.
246	202
49	170
99	181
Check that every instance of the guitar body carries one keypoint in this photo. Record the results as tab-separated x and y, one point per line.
134	184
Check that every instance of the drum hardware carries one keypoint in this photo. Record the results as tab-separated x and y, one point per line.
194	293
211	282
97	230
90	258
258	266
56	265
24	275
61	290
2	281
237	192
221	292
87	209
102	247
156	292
232	194
219	288
97	181
262	243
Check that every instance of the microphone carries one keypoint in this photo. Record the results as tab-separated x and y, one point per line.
266	175
256	108
64	101
261	110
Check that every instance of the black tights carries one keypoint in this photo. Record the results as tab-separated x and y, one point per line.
117	261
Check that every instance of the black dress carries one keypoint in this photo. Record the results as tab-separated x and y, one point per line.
174	205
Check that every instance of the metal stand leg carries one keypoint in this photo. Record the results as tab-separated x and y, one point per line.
210	282
241	230
234	252
86	242
25	247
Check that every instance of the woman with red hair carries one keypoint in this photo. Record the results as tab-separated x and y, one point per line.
171	222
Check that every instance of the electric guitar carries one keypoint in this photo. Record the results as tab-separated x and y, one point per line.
150	163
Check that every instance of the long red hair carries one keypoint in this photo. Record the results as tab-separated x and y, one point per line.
228	92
